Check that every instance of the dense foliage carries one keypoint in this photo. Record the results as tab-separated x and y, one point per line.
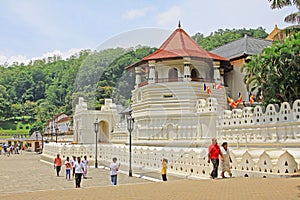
275	74
221	37
45	88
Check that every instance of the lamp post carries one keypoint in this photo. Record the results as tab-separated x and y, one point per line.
130	126
96	128
52	130
36	141
56	131
42	141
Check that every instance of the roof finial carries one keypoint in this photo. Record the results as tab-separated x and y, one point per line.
179	25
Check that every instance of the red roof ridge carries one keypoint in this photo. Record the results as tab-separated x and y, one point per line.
180	44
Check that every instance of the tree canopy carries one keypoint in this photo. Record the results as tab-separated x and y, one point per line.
275	74
221	37
47	87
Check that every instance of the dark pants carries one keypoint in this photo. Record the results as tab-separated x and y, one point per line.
57	170
78	179
214	173
73	171
164	177
113	179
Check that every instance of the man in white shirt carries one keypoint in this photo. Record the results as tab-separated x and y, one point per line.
79	167
225	163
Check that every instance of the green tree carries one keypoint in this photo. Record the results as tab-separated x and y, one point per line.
222	37
275	74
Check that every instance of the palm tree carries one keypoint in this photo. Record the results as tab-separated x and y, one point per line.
293	17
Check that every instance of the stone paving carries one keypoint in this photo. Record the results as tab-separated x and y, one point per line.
23	173
26	177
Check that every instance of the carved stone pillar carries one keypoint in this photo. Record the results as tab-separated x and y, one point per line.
187	71
217	77
138	76
151	78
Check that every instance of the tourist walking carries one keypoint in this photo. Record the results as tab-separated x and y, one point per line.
114	168
213	155
225	164
79	167
73	165
68	168
57	164
85	163
164	164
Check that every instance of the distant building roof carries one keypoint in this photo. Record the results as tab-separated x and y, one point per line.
242	47
275	31
281	34
35	136
178	45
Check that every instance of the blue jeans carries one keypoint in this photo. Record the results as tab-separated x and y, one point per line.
214	173
68	173
113	179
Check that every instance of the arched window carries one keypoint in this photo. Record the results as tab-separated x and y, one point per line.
195	74
173	75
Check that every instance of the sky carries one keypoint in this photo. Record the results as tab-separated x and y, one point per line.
32	29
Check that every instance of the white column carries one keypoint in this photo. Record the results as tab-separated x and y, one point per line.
151	78
222	75
187	71
217	77
138	77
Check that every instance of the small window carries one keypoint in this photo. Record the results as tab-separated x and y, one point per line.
168	96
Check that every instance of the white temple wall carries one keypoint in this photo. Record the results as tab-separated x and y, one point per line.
275	124
84	119
185	161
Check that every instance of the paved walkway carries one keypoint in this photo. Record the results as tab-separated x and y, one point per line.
25	177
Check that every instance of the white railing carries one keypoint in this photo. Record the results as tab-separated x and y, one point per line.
190	162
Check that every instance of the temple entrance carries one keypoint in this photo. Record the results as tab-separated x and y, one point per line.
173	75
104	131
36	146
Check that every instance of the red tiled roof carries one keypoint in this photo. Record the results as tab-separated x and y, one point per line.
180	44
65	119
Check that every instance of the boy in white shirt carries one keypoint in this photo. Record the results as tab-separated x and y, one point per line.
114	167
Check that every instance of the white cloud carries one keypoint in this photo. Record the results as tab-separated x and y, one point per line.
23	59
63	55
10	60
135	13
169	16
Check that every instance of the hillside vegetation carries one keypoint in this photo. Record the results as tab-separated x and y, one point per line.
44	88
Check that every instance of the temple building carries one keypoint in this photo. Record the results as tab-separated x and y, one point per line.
237	52
169	86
